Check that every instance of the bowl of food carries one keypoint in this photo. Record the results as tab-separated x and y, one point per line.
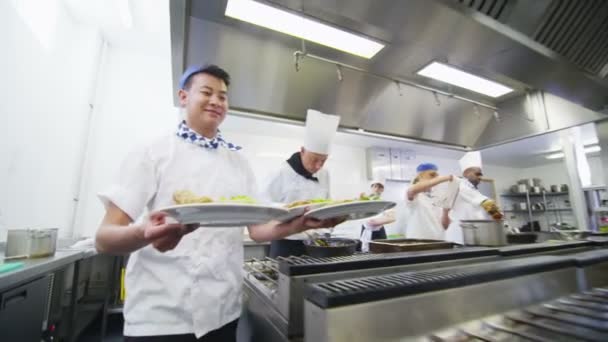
330	247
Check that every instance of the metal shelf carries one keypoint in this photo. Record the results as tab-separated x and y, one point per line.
600	209
537	211
535	194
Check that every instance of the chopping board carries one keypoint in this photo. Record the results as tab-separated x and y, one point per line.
407	245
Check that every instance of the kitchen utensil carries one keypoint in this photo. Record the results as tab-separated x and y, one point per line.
30	243
522	238
406	245
224	214
10	266
483	232
538	207
43	242
530	182
334	247
530	227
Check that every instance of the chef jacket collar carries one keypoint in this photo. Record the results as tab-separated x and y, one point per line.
188	134
295	161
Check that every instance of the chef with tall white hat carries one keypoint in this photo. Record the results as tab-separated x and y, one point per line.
470	203
302	176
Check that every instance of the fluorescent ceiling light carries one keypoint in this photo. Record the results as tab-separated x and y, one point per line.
451	75
125	13
301	27
590	149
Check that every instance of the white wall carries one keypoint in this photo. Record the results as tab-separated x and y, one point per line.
134	104
47	67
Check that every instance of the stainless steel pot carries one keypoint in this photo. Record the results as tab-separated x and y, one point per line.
483	232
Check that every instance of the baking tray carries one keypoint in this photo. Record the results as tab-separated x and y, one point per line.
407	245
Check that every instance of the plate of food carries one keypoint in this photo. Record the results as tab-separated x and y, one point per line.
351	209
236	211
297	208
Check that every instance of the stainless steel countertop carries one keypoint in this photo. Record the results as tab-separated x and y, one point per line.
253	243
36	267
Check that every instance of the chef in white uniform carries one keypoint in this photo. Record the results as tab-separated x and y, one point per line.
184	284
470	204
302	176
426	219
373	228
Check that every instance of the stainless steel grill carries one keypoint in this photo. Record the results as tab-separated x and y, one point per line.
275	288
578	317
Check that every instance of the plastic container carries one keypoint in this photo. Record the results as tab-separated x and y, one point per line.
30	243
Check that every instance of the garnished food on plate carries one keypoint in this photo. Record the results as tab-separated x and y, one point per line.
372	197
305	202
188	197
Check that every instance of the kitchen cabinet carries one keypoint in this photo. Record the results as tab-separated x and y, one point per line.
22	310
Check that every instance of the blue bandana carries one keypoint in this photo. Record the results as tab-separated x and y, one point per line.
184	132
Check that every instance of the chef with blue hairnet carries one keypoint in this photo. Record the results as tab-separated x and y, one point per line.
427	219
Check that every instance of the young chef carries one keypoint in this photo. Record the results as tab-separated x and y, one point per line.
302	176
184	287
426	220
470	204
373	228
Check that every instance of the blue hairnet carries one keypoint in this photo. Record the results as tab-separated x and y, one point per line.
193	69
426	166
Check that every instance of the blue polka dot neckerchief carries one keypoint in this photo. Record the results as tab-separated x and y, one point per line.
184	132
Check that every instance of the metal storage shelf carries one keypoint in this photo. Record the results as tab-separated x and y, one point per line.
539	211
535	194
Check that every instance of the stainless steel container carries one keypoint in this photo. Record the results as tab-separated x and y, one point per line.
30	243
483	232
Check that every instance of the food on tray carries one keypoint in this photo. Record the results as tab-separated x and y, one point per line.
304	202
188	197
238	199
372	197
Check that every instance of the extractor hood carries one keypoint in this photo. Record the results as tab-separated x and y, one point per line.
554	53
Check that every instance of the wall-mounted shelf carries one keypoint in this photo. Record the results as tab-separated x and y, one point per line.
538	211
523	194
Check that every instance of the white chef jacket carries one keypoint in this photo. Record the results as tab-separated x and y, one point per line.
368	228
424	220
466	207
287	186
196	287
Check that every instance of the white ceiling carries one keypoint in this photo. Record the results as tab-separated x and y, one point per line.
150	21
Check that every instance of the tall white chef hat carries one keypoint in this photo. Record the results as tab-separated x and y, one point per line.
470	159
320	131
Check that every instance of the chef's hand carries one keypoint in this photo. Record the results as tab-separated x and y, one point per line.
162	235
491	208
302	223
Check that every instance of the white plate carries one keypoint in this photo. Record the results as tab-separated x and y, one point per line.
352	210
298	210
223	214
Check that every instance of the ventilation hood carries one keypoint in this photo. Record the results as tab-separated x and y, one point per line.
553	53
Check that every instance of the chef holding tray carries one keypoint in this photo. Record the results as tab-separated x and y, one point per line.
302	176
184	284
